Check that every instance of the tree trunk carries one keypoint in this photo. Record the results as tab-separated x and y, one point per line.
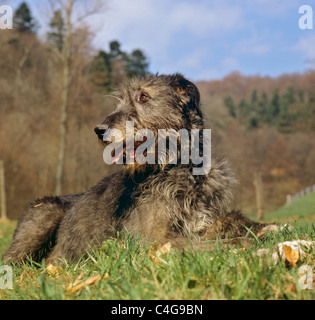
66	59
259	195
3	207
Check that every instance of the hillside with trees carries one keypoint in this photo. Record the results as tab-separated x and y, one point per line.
55	90
266	127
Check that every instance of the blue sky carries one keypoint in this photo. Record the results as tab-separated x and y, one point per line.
206	39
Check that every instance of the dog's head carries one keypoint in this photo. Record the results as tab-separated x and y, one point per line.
153	103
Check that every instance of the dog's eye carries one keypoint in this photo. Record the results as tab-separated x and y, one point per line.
142	98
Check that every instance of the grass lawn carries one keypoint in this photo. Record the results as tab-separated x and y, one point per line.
126	269
302	210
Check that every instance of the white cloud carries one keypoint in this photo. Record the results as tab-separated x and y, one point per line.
158	27
143	16
260	49
253	45
202	19
272	7
306	46
190	63
230	63
196	37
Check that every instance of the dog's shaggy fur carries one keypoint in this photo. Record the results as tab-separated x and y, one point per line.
160	203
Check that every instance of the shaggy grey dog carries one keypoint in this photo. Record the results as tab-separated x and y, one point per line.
158	202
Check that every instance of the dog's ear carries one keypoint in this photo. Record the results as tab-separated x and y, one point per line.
187	88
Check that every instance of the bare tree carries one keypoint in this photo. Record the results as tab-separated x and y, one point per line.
22	61
65	59
259	194
3	207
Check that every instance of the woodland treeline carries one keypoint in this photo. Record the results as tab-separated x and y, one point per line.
264	126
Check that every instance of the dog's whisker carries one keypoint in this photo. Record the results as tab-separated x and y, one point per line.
111	96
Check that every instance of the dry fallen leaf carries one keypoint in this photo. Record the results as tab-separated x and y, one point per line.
290	251
159	251
291	255
78	285
237	250
273	228
296	251
52	270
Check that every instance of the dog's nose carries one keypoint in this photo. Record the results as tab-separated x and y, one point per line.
100	130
